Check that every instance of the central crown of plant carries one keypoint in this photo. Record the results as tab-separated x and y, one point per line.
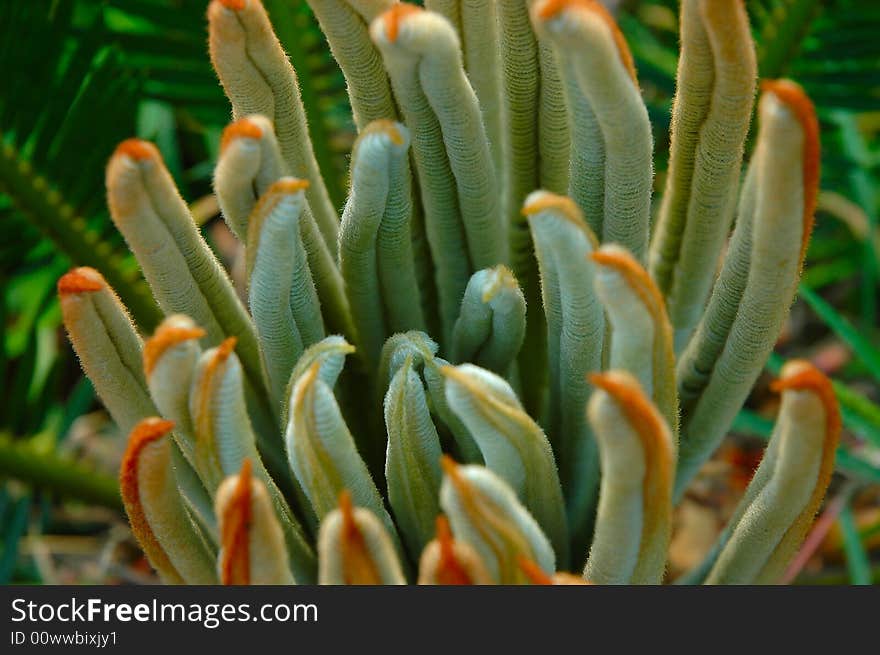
491	369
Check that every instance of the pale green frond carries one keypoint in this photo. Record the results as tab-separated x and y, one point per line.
606	77
281	293
634	519
259	79
780	503
575	337
107	344
412	464
786	181
513	446
224	439
155	509
492	323
715	87
250	162
375	243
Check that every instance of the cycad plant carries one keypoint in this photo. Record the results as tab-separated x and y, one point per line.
491	369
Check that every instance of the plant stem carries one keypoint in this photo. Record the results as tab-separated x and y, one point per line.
57	474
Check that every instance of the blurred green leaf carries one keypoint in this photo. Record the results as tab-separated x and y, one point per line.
857	562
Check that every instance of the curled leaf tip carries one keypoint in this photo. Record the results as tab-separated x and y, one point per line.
393	17
626	391
136	149
449	371
800	375
621	260
792	96
787	490
235	537
502	278
243	128
145	432
543	200
80	280
552	9
171	332
444	533
451	470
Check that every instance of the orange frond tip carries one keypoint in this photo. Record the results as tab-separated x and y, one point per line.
143	434
233	5
449	371
801	375
626	391
533	572
563	204
622	261
167	335
393	17
136	149
288	185
243	128
550	9
302	385
147	431
235	561
80	280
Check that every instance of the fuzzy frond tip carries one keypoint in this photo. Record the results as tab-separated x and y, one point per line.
136	149
243	128
553	9
80	280
394	16
171	332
